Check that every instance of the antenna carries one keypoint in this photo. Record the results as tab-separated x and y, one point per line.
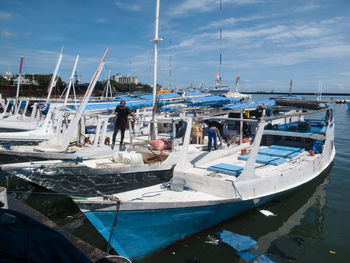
220	67
290	87
319	91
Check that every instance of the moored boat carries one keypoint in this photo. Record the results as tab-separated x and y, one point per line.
213	189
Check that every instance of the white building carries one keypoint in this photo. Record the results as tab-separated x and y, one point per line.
125	80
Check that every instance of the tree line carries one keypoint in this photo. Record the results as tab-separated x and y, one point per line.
44	81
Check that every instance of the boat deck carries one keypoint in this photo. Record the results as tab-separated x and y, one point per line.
158	197
260	168
211	186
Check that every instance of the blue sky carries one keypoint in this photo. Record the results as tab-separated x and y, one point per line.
268	42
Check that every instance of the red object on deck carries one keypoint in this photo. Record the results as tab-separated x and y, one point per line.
157	145
312	152
243	151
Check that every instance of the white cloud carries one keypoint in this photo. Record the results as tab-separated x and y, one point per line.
232	21
201	6
292	58
100	21
4	15
283	36
6	33
126	6
306	7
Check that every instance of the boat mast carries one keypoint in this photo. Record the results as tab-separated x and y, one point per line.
108	87
237	81
78	114
319	91
19	79
220	66
53	78
18	86
155	42
71	79
290	87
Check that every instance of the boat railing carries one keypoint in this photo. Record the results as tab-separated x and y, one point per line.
249	168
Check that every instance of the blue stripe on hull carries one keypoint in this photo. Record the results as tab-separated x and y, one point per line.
348	103
139	233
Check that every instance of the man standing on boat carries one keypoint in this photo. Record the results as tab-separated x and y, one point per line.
122	112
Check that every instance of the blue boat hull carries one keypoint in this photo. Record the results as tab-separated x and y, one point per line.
348	103
139	233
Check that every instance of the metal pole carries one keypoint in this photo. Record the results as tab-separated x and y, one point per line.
241	130
155	41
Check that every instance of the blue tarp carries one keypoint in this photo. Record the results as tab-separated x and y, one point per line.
242	244
146	97
238	242
126	98
216	100
317	146
160	96
112	105
303	127
250	104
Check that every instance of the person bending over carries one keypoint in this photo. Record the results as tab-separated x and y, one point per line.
213	132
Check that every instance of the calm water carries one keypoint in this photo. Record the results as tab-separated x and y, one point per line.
309	224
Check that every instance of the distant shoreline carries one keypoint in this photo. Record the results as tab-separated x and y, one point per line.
297	93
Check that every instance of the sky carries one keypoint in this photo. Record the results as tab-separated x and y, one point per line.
268	42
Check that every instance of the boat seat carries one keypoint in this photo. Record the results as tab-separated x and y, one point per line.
264	159
288	148
226	168
279	152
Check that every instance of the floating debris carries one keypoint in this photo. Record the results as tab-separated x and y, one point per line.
243	243
212	240
266	212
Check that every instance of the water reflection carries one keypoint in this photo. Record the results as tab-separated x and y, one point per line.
299	220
